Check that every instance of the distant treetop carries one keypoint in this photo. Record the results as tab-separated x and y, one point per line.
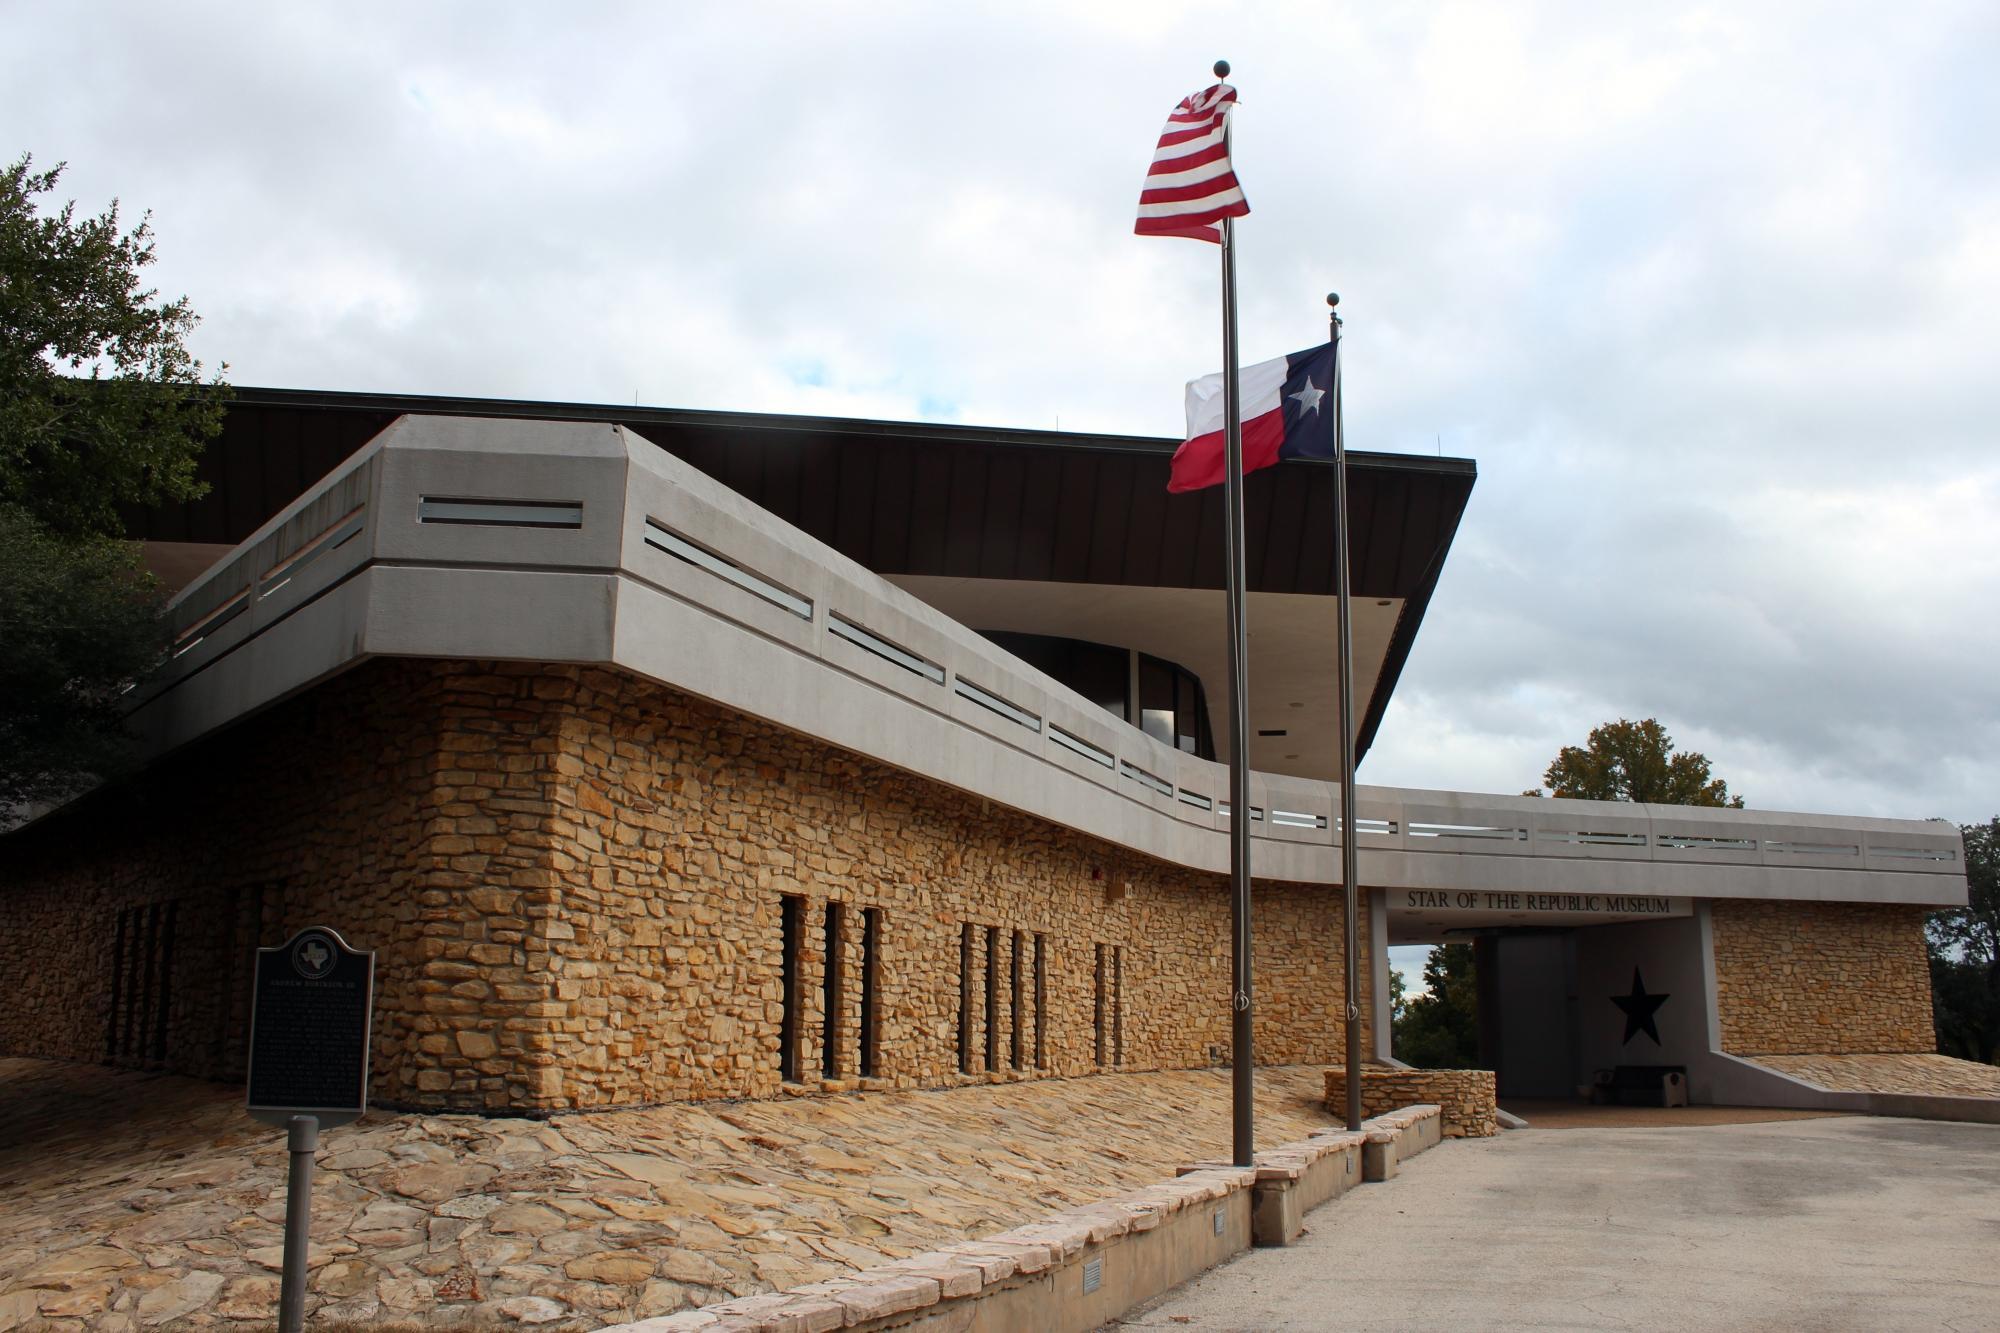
1635	761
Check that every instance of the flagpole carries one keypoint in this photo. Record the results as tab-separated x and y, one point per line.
1349	836
1242	1068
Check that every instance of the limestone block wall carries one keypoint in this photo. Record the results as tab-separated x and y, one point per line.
1796	978
403	803
687	827
1466	1096
576	883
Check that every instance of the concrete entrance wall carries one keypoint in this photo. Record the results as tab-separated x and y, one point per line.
1669	956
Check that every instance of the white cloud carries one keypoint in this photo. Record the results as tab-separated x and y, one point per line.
1710	292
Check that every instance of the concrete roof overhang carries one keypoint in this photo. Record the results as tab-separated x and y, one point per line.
981	523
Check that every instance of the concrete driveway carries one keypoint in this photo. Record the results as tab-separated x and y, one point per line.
1849	1223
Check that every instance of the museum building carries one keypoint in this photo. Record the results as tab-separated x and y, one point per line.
669	755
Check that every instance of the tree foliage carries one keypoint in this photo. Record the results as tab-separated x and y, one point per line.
1965	954
1440	1028
78	622
101	403
101	406
1635	761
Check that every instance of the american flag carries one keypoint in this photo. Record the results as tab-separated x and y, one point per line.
1191	187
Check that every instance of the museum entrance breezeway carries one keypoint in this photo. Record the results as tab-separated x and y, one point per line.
1565	985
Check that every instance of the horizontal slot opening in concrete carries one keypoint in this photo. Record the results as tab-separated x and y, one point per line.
843	628
211	622
1943	855
1145	779
1484	832
1578	837
337	534
1695	842
1079	746
501	513
965	689
1812	848
1381	828
1297	819
1256	811
662	538
1195	799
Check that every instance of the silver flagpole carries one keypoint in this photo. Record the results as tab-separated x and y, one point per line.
1242	1070
1348	834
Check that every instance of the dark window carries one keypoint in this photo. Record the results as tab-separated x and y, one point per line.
1094	670
871	986
142	984
1098	1015
1191	716
1170	707
992	998
1156	699
1118	1005
835	992
1019	1051
118	990
166	982
965	998
1041	1001
791	912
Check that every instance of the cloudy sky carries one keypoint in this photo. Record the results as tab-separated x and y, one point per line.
1712	294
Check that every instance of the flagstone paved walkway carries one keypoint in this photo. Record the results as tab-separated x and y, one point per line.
131	1200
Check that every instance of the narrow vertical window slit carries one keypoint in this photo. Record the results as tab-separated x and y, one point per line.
1041	1001
1097	1015
871	989
965	998
833	992
992	998
792	928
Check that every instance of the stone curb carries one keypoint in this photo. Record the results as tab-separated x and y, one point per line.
968	1269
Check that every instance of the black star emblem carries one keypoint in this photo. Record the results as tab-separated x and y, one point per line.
1639	1008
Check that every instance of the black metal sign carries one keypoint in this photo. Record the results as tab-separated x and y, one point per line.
309	1027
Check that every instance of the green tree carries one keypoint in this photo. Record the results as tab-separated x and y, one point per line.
1965	954
1635	761
78	622
101	406
1440	1028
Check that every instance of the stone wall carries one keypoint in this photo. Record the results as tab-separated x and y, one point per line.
1466	1096
576	883
1797	978
389	804
687	827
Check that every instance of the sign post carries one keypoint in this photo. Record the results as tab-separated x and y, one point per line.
310	1007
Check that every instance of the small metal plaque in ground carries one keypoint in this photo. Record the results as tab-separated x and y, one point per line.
309	1026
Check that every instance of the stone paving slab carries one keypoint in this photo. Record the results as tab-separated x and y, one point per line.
1935	1075
131	1200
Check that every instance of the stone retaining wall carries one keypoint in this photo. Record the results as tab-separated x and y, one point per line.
1801	978
575	882
1466	1096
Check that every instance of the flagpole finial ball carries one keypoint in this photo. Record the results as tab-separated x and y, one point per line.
1222	69
1333	298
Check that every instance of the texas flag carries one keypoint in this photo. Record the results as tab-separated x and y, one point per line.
1287	407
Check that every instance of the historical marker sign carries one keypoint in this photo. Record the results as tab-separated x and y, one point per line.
309	1025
